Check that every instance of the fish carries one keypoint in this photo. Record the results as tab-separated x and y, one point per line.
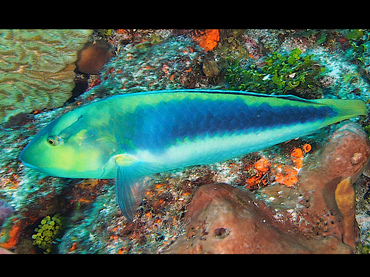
131	136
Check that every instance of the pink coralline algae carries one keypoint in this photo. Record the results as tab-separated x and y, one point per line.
316	216
5	211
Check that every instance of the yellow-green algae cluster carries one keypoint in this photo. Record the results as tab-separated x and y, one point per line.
37	68
46	232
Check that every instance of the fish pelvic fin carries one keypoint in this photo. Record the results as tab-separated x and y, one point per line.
129	183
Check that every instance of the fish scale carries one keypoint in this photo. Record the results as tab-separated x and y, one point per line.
213	117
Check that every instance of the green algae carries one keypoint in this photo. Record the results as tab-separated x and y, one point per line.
283	73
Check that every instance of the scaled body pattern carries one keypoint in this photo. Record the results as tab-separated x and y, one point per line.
133	135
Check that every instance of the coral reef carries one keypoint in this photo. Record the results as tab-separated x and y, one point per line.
281	179
325	185
37	68
223	219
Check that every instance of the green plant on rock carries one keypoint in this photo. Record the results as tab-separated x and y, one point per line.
359	53
47	232
283	73
357	39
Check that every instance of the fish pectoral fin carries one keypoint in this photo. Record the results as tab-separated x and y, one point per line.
125	159
129	184
128	190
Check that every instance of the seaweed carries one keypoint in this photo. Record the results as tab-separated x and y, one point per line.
283	73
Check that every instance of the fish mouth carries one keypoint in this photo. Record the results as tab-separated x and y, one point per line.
34	167
23	159
30	165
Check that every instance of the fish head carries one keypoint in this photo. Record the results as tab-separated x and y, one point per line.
68	147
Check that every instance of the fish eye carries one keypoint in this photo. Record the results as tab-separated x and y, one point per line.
54	140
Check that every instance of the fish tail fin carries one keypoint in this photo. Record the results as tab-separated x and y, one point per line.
344	108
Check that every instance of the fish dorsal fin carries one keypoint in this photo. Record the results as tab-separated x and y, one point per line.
235	92
129	183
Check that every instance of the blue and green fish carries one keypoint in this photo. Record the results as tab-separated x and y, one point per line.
130	136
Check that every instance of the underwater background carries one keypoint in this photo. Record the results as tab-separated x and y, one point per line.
308	195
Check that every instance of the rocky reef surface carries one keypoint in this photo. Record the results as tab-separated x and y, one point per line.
304	196
316	216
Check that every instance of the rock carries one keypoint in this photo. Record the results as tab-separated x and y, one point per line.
93	56
142	67
210	67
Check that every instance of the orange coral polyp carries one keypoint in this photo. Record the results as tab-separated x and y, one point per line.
298	163
209	39
262	165
250	182
286	175
307	147
297	157
290	181
297	153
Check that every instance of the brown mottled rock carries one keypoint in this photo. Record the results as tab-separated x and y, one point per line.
93	56
316	216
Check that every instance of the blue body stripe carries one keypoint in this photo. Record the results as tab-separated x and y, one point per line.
157	127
